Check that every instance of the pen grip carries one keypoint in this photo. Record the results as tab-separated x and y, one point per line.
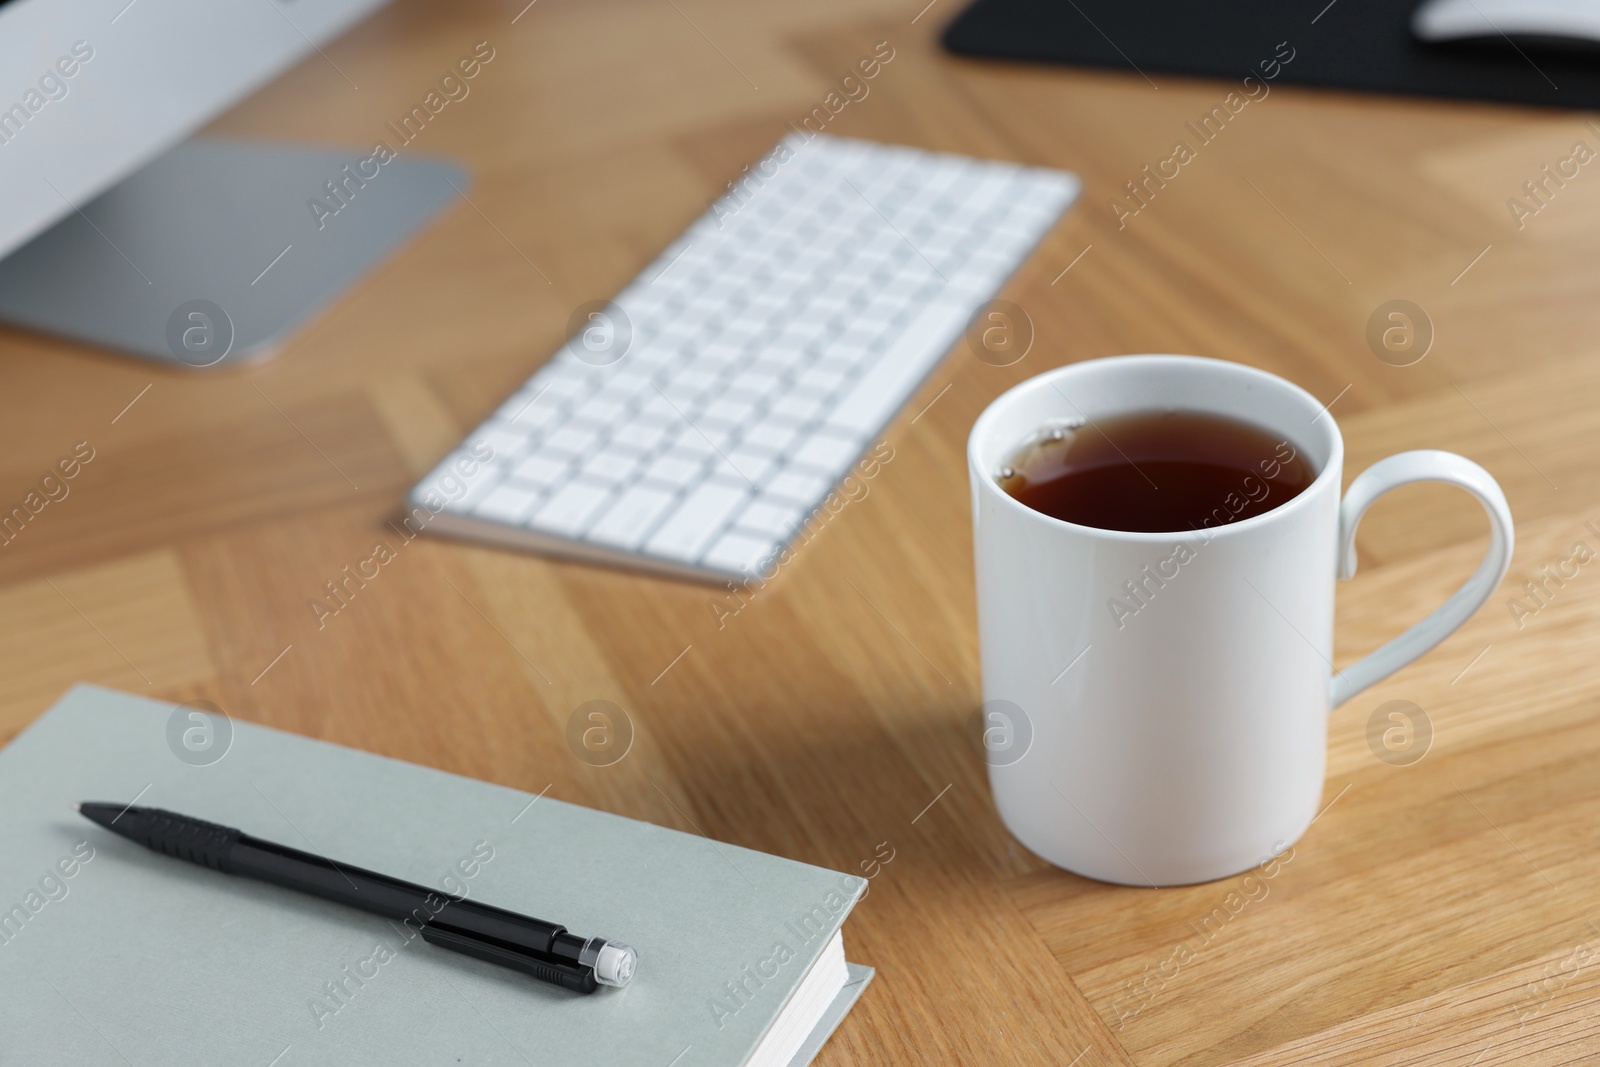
184	838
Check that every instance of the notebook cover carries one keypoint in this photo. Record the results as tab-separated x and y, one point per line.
1351	44
110	953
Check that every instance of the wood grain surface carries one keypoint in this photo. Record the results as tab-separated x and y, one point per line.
1439	912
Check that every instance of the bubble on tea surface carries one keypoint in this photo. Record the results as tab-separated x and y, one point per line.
599	732
1399	732
1041	457
1000	333
1399	332
1001	732
199	733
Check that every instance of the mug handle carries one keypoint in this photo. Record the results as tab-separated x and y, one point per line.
1426	465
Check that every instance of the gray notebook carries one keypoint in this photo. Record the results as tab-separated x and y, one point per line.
113	954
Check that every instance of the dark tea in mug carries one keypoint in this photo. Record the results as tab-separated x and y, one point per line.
1157	472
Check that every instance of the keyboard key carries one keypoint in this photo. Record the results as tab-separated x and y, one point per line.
769	299
640	434
826	452
884	308
571	439
798	334
609	466
727	348
799	407
988	190
625	524
822	379
755	381
459	482
480	485
530	410
658	409
739	553
571	508
694	441
541	469
776	518
901	288
602	409
802	487
557	385
751	464
675	468
780	363
696	521
730	409
687	384
772	436
507	504
851	359
506	443
880	392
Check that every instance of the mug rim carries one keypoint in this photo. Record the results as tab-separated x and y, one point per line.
982	430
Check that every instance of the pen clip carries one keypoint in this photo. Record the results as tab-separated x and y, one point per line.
568	976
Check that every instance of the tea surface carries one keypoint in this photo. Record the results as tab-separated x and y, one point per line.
1157	472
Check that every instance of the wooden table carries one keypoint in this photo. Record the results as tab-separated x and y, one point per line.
1438	912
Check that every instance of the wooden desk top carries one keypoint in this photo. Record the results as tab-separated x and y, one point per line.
1440	912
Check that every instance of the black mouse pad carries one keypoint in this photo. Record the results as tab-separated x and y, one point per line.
1346	44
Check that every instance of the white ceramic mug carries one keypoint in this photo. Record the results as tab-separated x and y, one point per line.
1180	737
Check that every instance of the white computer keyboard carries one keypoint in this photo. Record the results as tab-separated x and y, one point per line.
694	424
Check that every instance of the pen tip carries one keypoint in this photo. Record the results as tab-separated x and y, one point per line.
77	807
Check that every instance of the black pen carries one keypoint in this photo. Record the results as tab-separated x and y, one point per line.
545	950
